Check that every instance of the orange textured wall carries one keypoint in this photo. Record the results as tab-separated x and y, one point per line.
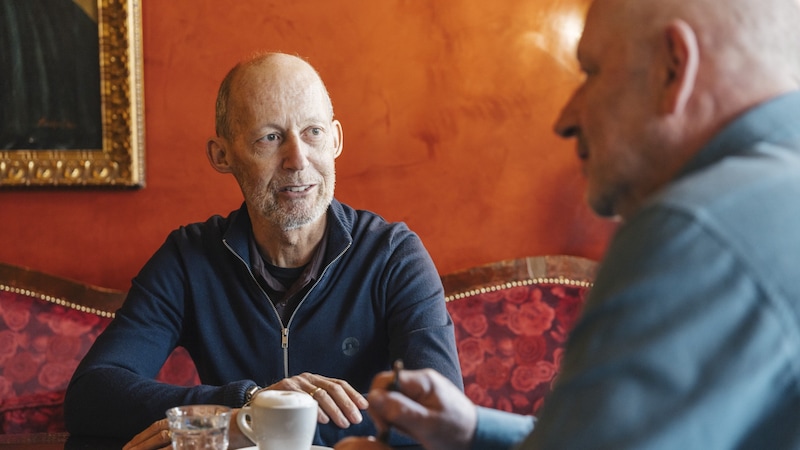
447	109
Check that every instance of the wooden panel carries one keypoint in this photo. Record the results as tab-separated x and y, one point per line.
59	290
575	270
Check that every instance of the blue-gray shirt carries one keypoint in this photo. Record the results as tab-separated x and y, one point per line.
690	338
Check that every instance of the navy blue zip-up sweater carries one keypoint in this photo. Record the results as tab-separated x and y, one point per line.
379	298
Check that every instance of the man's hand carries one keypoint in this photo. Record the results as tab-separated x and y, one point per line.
426	406
338	401
155	436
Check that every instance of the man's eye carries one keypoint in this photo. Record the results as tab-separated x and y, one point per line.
272	137
313	134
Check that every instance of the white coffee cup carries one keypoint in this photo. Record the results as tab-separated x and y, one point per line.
280	420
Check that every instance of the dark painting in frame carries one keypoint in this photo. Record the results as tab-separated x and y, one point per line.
61	125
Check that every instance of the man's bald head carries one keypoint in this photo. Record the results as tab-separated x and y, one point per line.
276	69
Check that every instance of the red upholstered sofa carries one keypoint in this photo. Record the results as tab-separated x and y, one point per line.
47	324
511	321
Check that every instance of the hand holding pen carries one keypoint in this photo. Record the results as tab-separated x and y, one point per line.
383	436
425	406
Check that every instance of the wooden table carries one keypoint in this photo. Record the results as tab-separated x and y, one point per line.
56	441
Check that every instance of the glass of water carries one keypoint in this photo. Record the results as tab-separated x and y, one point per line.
199	427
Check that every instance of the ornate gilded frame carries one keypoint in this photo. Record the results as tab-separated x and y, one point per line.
120	163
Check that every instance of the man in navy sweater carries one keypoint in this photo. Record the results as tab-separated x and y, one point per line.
292	291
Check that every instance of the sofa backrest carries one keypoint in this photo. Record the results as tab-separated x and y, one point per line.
511	321
47	325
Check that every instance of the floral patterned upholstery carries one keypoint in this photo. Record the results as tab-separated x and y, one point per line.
511	321
47	324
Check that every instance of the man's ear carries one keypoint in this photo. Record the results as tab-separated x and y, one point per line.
216	150
338	136
682	60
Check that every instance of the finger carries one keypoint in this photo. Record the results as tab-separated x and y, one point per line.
237	439
356	397
429	408
287	384
341	389
309	382
155	436
147	434
406	406
300	383
305	383
381	383
395	409
338	400
322	416
375	411
382	380
417	384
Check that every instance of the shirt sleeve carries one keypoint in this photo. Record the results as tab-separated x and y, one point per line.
129	354
669	352
500	430
420	329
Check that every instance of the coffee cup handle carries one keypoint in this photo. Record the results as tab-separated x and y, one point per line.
244	425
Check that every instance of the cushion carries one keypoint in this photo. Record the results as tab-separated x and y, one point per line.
510	337
33	413
42	340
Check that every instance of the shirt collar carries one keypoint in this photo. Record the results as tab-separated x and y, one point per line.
310	274
764	122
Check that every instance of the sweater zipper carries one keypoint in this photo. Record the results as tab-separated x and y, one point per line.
285	329
285	336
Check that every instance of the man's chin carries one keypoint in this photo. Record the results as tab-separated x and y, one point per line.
601	206
293	223
289	222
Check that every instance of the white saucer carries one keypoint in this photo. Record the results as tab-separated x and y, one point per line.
313	447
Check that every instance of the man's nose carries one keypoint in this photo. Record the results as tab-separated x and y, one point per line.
295	153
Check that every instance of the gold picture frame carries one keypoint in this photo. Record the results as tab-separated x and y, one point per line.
120	160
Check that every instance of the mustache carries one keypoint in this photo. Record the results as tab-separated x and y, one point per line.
281	183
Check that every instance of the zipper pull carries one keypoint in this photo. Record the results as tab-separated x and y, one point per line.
285	338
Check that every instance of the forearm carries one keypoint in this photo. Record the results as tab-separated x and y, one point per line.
118	403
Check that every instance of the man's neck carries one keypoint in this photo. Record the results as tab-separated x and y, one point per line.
289	248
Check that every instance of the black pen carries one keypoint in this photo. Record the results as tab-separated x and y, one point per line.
395	386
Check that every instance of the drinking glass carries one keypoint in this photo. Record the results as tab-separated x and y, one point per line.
199	427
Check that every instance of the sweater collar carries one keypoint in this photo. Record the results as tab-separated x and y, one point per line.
240	232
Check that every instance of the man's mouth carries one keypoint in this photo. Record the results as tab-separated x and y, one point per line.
297	189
